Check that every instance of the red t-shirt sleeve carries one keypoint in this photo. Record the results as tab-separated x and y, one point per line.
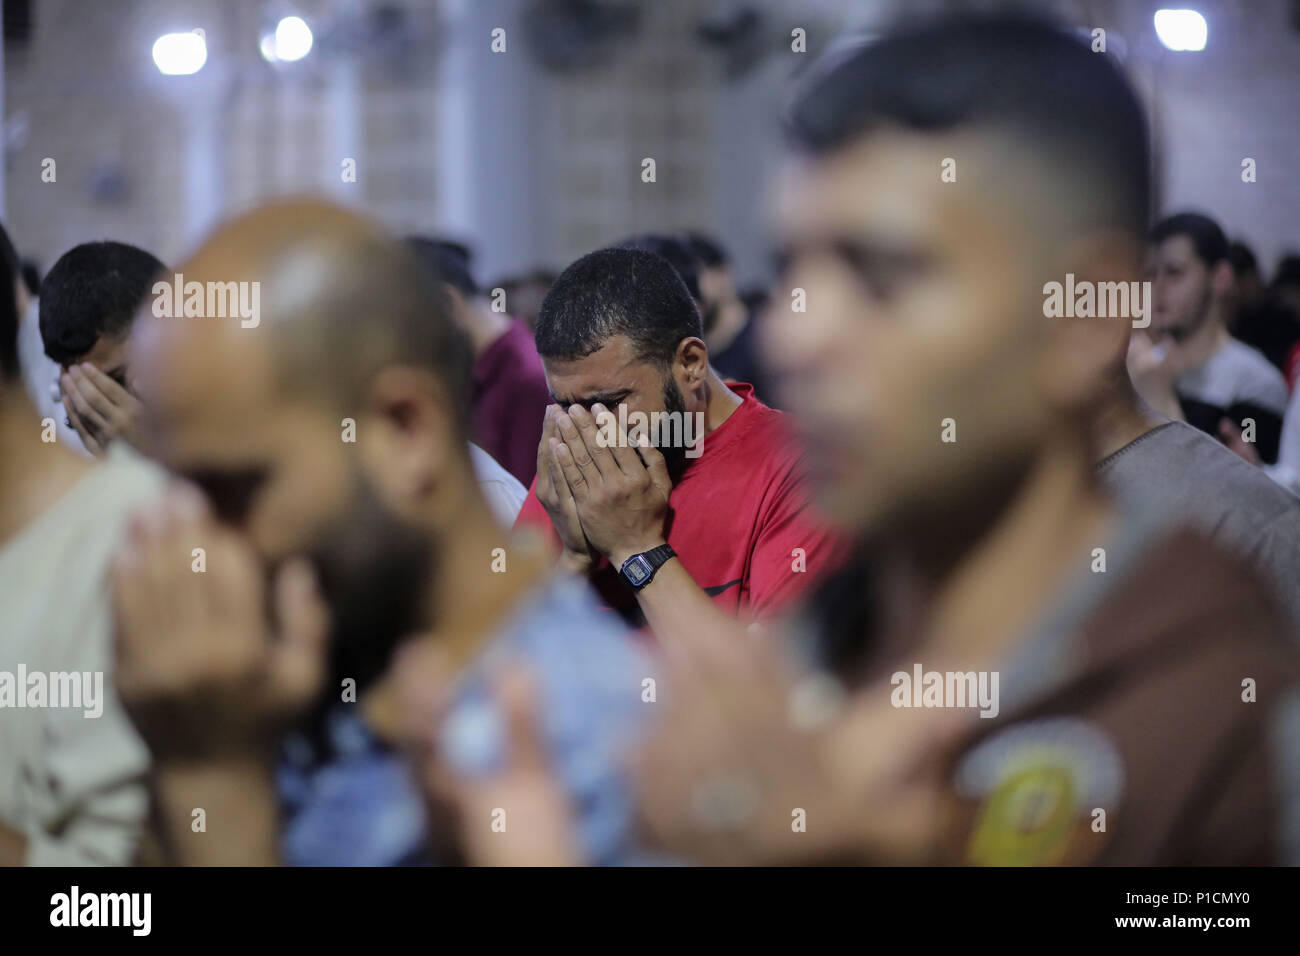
793	549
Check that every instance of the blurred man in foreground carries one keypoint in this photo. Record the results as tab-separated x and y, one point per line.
334	486
1022	673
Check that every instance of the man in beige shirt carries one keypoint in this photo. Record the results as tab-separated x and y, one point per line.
71	766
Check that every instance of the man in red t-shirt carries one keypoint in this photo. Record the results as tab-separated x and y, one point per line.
678	496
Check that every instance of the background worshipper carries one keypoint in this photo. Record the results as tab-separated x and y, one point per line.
71	787
508	389
730	327
88	301
1187	365
619	328
287	730
525	293
1256	316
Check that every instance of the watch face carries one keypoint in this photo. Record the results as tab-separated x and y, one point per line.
638	569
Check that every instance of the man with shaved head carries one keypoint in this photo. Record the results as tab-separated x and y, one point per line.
326	477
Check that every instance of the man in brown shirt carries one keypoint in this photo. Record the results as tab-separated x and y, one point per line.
1017	671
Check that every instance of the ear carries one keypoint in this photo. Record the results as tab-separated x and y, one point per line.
1086	356
692	361
407	438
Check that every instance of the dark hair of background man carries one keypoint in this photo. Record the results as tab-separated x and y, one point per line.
93	291
617	291
1207	238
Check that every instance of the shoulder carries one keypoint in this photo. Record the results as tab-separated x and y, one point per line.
87	521
1176	454
766	439
1188	599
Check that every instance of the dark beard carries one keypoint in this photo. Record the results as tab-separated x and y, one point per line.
374	571
675	457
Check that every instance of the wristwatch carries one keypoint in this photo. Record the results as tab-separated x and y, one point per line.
639	569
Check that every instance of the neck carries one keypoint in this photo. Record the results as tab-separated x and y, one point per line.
1207	340
719	401
973	609
34	474
1123	418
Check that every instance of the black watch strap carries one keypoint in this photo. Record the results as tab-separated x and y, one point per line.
639	570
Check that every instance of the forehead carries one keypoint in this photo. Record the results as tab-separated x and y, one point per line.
614	367
109	354
890	189
893	177
208	397
1177	248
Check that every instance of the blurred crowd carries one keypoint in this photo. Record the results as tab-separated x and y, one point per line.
320	548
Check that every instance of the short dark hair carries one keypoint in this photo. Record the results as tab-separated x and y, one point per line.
9	370
92	291
1208	240
708	250
1287	272
449	261
677	250
1010	74
617	291
1242	258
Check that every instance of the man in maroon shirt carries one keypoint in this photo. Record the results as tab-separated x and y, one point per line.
508	388
713	520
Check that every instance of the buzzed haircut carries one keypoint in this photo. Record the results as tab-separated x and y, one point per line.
617	291
372	305
1065	112
449	261
677	250
9	370
1207	238
93	291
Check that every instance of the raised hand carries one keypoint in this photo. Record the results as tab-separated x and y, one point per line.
99	409
200	669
